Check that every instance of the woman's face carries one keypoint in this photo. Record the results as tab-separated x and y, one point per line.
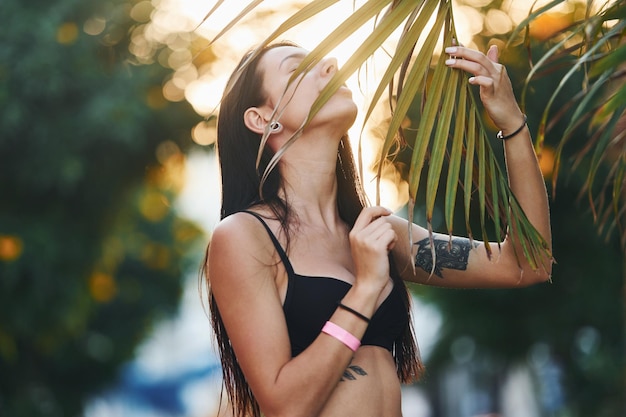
277	66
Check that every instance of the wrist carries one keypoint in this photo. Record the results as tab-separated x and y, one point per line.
362	297
366	290
508	133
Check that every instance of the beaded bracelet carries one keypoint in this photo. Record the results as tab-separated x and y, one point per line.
353	311
502	137
342	335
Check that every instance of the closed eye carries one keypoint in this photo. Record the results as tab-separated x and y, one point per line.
293	58
294	65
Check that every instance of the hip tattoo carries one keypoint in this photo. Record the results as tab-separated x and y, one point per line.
352	372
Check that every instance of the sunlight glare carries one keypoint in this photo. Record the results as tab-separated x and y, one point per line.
204	133
141	11
468	23
498	22
394	193
518	10
202	86
185	75
172	92
94	26
205	93
477	3
180	58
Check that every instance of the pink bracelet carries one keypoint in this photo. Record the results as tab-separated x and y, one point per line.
342	335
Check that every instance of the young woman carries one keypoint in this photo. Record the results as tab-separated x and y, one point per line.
306	282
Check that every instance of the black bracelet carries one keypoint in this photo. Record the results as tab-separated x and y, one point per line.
353	311
502	137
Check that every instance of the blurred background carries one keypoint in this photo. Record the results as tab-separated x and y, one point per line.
109	191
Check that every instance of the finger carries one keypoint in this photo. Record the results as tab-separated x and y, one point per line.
378	235
368	215
485	82
383	239
377	229
386	241
492	53
467	53
462	57
391	243
370	234
473	68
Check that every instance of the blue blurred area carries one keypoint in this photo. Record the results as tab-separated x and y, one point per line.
175	372
139	389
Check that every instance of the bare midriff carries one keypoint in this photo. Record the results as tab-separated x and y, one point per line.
375	394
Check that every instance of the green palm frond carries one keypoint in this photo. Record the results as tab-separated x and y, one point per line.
450	124
598	59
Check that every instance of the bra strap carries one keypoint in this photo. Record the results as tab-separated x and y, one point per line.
277	245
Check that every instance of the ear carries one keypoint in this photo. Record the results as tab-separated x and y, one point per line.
254	120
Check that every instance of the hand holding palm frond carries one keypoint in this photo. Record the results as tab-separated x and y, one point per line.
450	122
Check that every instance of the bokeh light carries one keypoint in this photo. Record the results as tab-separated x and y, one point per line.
11	248
200	72
204	133
201	84
67	33
94	26
102	287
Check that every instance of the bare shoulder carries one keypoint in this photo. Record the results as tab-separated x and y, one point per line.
240	228
239	242
242	272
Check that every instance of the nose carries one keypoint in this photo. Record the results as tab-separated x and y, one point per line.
329	66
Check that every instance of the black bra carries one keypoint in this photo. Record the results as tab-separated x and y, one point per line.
311	301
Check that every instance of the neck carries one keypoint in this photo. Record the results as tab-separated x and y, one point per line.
311	189
308	169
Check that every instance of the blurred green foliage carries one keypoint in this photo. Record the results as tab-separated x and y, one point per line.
91	157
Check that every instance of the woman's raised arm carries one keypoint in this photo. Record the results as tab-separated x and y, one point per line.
468	265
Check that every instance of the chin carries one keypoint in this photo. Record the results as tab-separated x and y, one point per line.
344	115
352	116
345	105
339	110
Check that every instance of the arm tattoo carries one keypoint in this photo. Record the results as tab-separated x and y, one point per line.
348	374
448	254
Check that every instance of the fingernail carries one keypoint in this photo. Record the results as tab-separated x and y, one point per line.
471	79
450	61
450	49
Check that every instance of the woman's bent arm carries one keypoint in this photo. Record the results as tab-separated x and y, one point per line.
242	271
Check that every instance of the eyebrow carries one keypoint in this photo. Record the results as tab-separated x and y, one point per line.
288	57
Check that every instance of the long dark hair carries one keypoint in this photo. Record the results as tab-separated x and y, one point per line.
237	148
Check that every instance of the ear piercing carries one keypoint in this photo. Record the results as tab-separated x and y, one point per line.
276	127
